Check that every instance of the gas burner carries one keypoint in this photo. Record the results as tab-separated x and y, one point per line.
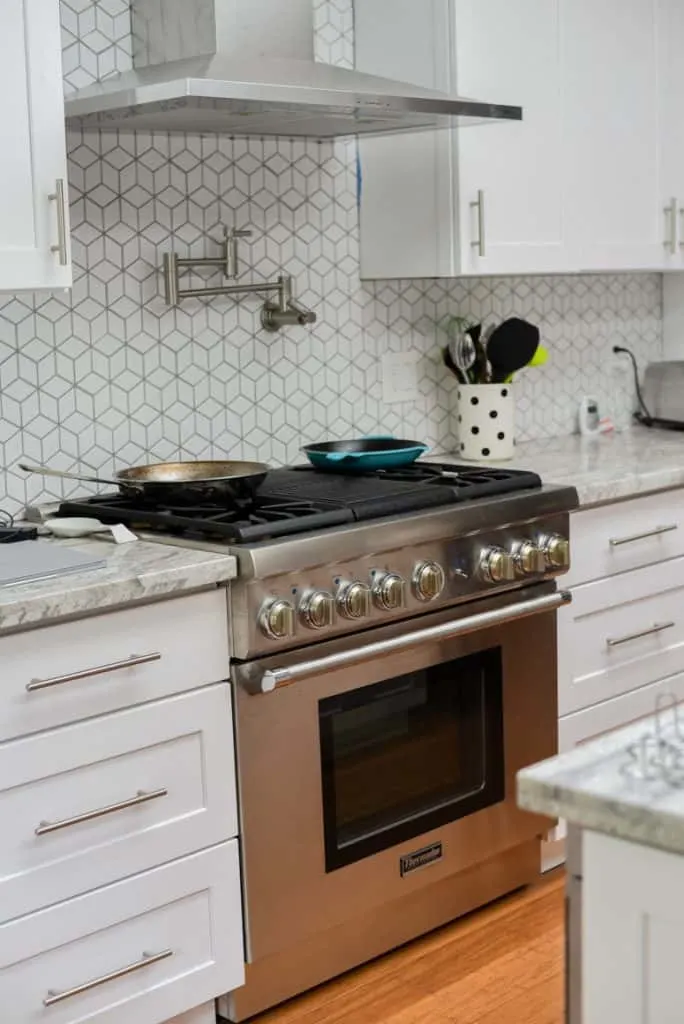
303	499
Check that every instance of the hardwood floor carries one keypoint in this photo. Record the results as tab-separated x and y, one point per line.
500	965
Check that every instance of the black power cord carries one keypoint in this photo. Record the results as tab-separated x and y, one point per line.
643	415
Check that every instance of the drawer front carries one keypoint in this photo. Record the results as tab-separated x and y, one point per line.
60	673
142	951
620	634
613	714
626	535
101	800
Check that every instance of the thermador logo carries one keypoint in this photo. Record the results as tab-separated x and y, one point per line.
420	858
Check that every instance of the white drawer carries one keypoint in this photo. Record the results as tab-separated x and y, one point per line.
619	634
99	943
162	773
186	638
613	714
626	535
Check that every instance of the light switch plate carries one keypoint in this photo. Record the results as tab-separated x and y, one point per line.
399	377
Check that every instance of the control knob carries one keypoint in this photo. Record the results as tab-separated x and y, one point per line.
389	591
497	565
529	558
277	619
556	552
354	600
317	609
428	581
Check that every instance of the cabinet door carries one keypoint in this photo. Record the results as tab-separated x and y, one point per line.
509	52
407	197
614	216
34	149
671	129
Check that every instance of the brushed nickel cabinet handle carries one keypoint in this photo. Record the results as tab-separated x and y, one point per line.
670	212
88	673
616	542
141	797
657	627
59	197
52	998
479	205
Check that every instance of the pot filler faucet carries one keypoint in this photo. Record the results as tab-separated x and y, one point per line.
282	311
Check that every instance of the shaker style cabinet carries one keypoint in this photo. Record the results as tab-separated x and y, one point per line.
34	215
483	198
581	184
671	131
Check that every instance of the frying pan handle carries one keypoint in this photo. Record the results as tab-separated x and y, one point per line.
63	475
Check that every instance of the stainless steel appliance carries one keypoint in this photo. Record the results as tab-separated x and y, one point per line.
243	67
663	393
394	640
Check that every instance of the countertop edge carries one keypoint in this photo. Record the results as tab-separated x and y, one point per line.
655	828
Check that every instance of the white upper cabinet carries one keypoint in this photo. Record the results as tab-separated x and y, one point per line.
613	207
485	198
508	52
580	184
34	217
671	130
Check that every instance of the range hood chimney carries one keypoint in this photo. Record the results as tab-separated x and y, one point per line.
243	67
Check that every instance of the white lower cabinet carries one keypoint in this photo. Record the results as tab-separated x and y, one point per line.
120	894
100	800
632	933
139	951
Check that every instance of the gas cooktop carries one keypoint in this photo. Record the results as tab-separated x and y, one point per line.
302	499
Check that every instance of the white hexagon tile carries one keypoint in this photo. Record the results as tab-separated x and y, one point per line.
109	376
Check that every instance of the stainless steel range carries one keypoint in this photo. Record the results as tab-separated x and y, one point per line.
394	665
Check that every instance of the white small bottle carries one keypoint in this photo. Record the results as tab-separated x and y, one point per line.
591	423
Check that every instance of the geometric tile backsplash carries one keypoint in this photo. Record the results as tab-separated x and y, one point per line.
108	375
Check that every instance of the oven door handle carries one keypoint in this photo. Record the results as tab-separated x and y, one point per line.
446	630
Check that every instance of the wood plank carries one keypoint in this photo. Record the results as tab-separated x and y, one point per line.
499	965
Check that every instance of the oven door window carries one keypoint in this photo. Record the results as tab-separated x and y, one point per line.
405	756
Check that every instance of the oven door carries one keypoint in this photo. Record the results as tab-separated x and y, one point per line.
388	762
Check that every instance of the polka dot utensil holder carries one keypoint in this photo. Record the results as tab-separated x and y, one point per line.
486	422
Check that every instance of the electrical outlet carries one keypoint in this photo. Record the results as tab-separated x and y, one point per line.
399	377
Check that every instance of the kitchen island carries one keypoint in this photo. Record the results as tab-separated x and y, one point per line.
623	795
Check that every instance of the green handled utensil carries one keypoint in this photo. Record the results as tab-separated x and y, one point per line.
540	357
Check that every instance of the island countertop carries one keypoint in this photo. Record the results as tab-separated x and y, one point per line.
134	572
598	786
606	468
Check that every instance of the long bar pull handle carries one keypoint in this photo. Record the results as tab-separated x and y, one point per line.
59	197
52	998
657	627
616	542
479	205
47	827
97	670
670	212
284	676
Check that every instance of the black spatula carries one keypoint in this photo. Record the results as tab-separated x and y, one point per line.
511	346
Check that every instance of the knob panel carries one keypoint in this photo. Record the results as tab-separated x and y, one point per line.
556	552
277	619
389	591
497	565
317	609
428	581
354	600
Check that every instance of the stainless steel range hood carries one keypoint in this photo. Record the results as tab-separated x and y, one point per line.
246	67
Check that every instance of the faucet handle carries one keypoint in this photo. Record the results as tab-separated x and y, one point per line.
230	249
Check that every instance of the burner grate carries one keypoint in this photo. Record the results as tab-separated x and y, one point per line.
302	499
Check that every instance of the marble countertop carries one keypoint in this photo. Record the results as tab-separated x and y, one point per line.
137	571
596	787
606	468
